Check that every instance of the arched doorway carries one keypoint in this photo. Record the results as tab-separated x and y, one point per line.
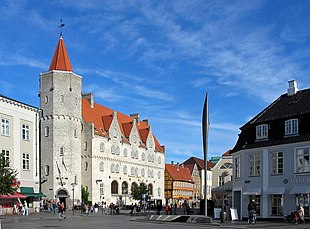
62	195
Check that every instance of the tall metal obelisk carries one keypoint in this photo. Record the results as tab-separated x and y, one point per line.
205	134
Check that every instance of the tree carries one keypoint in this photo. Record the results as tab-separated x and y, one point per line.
137	191
8	182
85	195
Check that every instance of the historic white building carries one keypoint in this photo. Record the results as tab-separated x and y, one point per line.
86	144
19	142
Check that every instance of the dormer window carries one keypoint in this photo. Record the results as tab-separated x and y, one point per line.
291	126
262	131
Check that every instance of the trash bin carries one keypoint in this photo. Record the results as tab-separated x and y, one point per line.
223	216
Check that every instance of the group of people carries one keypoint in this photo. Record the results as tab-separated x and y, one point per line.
21	208
112	208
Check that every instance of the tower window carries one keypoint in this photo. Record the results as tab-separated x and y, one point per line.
46	100
47	170
46	131
61	151
75	133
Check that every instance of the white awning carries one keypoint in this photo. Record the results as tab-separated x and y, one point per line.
300	190
275	191
253	191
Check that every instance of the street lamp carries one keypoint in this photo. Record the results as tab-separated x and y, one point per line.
73	185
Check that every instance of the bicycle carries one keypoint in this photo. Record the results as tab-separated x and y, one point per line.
252	217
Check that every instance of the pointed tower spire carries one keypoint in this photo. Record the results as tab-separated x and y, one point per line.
61	59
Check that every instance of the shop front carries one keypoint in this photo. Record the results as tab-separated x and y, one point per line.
9	204
33	198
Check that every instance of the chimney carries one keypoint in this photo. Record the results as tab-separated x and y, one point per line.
172	162
90	99
136	117
292	87
146	121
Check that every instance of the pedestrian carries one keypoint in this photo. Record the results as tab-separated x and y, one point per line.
54	205
25	208
175	208
167	209
61	211
302	214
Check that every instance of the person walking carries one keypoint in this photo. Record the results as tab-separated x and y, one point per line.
25	208
301	214
61	211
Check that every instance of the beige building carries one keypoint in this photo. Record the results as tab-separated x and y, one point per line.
201	168
19	142
222	181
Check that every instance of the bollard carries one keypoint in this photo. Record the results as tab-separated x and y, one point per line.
223	216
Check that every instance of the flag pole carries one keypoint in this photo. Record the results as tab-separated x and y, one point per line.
205	133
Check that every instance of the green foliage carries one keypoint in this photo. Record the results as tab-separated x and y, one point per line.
137	191
85	194
8	184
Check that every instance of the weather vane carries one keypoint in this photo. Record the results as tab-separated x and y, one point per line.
60	26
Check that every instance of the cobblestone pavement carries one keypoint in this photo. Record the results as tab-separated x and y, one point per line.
124	220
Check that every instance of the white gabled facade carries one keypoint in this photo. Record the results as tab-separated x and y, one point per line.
19	141
86	144
114	162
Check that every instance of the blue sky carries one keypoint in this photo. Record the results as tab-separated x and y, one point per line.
159	58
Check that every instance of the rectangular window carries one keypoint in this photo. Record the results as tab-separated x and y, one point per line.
6	158
302	160
277	205
26	161
291	126
25	132
276	163
61	151
262	131
85	146
5	127
221	180
254	164
46	131
101	189
237	167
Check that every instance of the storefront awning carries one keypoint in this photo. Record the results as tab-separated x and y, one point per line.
28	191
252	191
227	187
15	195
300	190
275	191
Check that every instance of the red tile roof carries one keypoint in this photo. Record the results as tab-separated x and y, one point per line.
61	59
102	117
227	153
179	173
199	162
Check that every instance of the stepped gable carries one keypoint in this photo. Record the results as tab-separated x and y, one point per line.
102	117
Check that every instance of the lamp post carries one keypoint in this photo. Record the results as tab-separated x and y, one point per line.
73	185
